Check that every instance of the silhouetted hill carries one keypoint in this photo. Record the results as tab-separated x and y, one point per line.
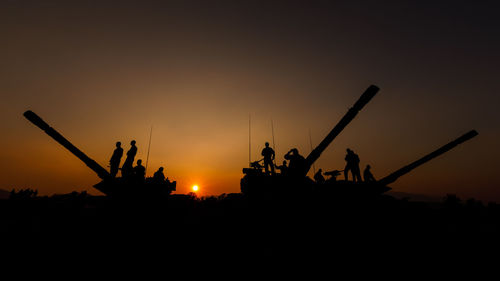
4	194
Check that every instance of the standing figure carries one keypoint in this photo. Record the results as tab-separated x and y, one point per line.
114	162
367	174
318	177
268	154
352	164
127	170
297	163
140	172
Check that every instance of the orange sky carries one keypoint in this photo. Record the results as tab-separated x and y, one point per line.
100	73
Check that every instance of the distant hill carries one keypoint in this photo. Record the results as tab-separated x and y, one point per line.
414	197
4	194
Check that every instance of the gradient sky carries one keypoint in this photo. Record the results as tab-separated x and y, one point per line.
103	71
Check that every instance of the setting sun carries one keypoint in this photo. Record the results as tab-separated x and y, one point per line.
195	188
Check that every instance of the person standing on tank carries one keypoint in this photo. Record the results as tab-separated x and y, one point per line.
352	164
268	154
114	162
127	169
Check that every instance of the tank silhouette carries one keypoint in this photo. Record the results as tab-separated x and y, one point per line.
256	183
115	187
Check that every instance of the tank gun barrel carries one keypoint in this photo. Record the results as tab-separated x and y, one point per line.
348	117
408	168
37	121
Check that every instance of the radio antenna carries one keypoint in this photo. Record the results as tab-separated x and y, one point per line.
149	148
311	144
249	139
274	145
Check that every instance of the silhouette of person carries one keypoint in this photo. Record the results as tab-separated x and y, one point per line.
127	169
114	162
367	174
352	165
268	154
283	168
318	177
296	166
158	176
140	171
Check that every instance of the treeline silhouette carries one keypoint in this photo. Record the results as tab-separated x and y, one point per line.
79	213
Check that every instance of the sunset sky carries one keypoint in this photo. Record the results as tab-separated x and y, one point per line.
106	71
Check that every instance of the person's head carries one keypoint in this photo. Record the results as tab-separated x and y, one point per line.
160	169
368	167
284	162
295	151
348	150
320	170
132	143
267	144
118	144
139	162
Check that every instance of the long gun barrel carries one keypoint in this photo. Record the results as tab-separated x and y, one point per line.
408	168
348	117
98	169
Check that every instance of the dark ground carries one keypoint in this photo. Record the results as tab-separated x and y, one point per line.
187	236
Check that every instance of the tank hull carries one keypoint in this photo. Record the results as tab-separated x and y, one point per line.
260	185
121	188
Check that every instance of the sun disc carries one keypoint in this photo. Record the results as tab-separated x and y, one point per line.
195	188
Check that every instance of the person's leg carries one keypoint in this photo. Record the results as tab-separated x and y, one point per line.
113	170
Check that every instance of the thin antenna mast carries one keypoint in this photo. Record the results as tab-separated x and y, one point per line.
274	146
311	144
149	148
249	140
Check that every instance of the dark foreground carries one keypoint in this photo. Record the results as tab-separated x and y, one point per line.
188	236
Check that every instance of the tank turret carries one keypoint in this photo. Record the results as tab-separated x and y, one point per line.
256	182
108	185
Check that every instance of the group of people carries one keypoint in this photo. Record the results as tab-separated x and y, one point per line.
352	165
297	165
130	173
